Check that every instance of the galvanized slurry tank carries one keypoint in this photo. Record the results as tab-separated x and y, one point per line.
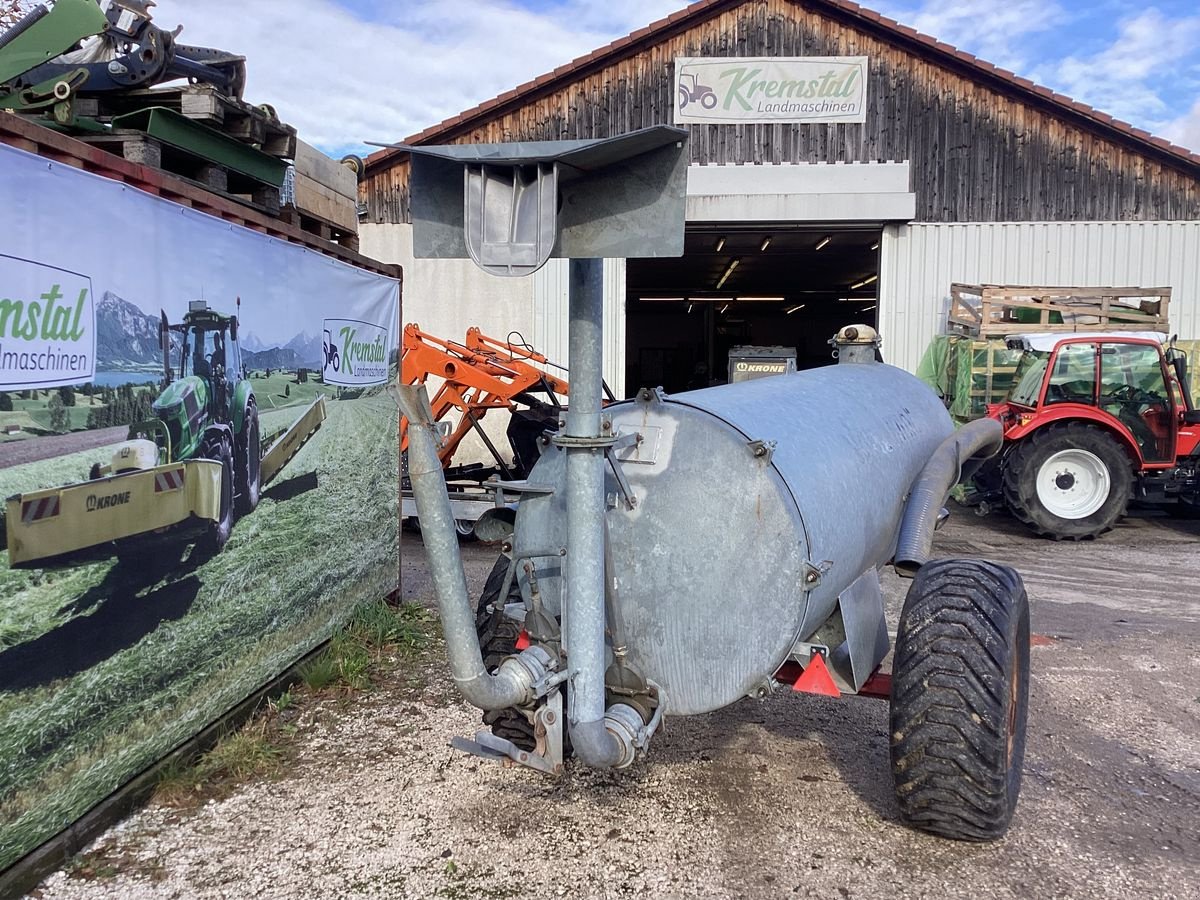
673	554
755	506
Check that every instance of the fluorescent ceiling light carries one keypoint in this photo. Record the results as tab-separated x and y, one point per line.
720	244
864	282
794	309
867	309
765	244
823	242
760	299
690	305
873	278
663	299
875	246
725	309
733	264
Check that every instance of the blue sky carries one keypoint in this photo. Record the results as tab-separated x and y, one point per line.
348	71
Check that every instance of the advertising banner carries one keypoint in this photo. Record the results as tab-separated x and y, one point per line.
817	89
179	471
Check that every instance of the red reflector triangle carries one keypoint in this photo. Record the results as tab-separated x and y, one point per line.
523	640
815	679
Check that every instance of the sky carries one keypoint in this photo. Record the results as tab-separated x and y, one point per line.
349	71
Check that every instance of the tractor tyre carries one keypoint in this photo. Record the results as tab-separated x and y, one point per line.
218	532
498	640
1068	480
960	689
249	460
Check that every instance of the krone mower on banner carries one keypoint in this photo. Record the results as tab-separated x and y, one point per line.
185	474
670	555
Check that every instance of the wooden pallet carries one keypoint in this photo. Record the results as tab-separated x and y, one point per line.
991	310
319	227
258	126
140	148
325	189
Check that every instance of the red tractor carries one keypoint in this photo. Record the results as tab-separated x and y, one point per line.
1093	421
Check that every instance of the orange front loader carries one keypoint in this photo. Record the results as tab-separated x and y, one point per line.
479	375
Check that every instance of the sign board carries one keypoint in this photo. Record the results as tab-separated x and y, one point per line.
356	353
817	89
47	325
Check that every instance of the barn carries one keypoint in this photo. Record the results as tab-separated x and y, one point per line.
912	166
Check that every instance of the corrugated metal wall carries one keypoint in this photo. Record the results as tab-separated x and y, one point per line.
551	286
919	263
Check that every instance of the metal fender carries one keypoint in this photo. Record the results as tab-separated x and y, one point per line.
1074	412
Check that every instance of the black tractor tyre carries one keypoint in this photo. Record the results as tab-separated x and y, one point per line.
959	703
498	640
1043	447
249	461
218	532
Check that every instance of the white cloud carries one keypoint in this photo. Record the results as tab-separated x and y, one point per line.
342	80
995	31
1130	77
1185	131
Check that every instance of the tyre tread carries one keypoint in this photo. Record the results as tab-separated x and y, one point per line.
957	649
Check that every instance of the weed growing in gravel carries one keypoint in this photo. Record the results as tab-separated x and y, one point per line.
377	632
256	750
320	673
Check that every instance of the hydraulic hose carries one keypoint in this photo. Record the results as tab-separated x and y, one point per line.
959	455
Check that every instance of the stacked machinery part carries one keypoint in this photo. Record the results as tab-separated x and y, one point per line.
76	49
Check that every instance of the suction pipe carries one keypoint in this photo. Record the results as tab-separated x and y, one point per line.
512	685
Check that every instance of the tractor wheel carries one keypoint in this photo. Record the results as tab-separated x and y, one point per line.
960	689
249	458
1069	480
219	531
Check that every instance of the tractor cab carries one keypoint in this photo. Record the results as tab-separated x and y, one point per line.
202	376
1120	381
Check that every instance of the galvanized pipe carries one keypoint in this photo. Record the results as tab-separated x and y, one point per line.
512	684
970	445
583	612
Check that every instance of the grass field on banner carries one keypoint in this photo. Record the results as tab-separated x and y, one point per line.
105	667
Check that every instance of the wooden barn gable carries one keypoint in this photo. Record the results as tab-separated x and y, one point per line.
984	144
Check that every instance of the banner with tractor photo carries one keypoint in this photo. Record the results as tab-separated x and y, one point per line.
199	466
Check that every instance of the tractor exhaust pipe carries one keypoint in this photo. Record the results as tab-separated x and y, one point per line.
512	685
958	456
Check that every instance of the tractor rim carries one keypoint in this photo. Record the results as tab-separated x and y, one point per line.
1073	484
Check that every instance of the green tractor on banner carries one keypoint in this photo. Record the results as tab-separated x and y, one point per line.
208	410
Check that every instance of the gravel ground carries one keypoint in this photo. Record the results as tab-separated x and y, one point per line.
785	797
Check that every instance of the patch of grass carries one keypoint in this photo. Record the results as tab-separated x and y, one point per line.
256	750
377	632
320	673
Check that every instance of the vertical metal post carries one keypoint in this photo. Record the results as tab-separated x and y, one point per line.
583	611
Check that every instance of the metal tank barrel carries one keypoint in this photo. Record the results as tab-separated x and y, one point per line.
737	515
